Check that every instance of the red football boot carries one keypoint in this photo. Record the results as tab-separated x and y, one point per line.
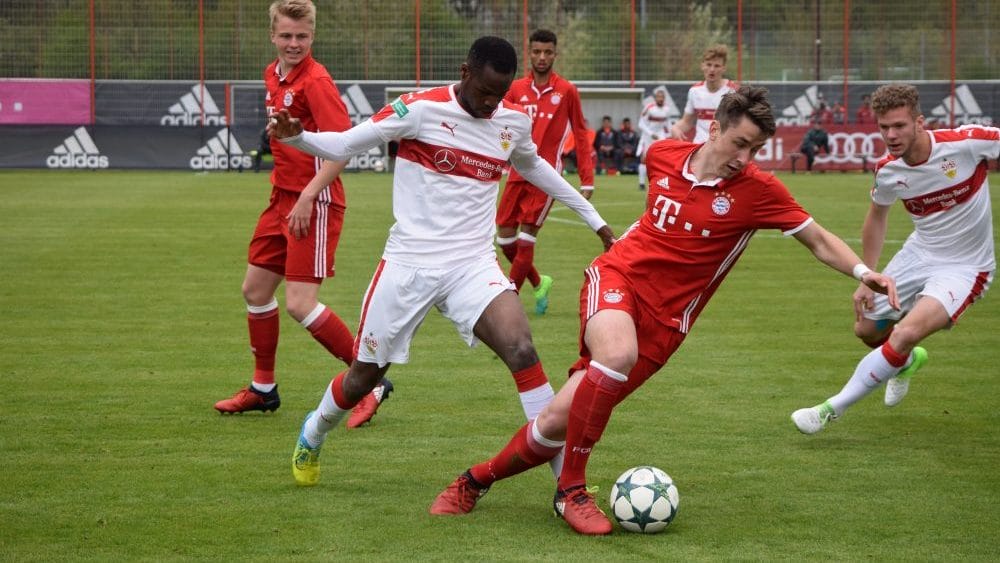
366	408
250	399
578	508
460	497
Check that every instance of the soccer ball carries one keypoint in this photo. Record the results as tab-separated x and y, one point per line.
644	499
378	165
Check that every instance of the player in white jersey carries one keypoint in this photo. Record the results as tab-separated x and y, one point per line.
654	124
454	142
704	97
946	264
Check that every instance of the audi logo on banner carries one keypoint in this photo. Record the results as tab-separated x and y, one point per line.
849	148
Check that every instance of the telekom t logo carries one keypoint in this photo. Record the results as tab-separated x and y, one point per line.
663	208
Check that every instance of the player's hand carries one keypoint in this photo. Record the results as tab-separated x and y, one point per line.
864	300
282	125
586	191
879	283
607	237
298	219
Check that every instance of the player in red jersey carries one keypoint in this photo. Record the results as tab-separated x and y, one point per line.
296	236
640	299
554	106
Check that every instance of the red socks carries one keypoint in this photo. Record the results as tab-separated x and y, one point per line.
520	454
588	416
330	331
264	343
523	265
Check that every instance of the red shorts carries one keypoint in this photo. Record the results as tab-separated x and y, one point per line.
309	259
523	204
606	288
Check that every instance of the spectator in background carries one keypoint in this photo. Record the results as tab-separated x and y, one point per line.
608	147
628	140
864	115
839	113
816	138
822	113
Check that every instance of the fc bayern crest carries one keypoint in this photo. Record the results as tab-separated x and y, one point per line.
556	98
288	98
721	204
613	296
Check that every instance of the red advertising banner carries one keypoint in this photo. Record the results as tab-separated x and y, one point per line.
44	102
852	147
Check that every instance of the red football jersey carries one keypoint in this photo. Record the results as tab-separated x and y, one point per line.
555	112
691	234
308	93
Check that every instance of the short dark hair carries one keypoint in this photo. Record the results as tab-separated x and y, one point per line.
496	52
750	102
543	36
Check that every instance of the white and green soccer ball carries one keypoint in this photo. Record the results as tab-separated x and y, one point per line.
644	500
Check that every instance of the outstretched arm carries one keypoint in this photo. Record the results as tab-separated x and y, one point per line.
541	174
327	144
834	252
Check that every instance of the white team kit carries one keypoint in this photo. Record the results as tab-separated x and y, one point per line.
949	256
653	121
440	250
702	103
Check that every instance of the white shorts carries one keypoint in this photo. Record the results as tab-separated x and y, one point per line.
953	285
400	296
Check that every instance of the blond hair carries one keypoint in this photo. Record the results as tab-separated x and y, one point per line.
297	10
716	52
891	96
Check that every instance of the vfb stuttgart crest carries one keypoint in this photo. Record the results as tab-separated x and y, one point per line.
505	138
722	203
949	167
445	160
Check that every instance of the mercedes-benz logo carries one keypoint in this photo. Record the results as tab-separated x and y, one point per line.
445	160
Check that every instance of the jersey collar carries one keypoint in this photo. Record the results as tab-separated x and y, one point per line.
298	70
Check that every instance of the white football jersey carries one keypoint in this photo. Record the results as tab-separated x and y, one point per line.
947	196
702	104
448	169
654	120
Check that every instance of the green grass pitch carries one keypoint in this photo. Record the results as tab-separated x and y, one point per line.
121	323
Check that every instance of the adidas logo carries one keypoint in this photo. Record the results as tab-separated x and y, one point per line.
357	104
359	109
801	109
967	110
77	151
187	111
221	152
663	183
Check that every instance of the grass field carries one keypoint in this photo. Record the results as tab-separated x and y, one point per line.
121	323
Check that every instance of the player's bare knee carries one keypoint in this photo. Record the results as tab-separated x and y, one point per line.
904	338
521	353
621	360
552	421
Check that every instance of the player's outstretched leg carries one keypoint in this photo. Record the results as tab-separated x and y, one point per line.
897	387
578	508
366	409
